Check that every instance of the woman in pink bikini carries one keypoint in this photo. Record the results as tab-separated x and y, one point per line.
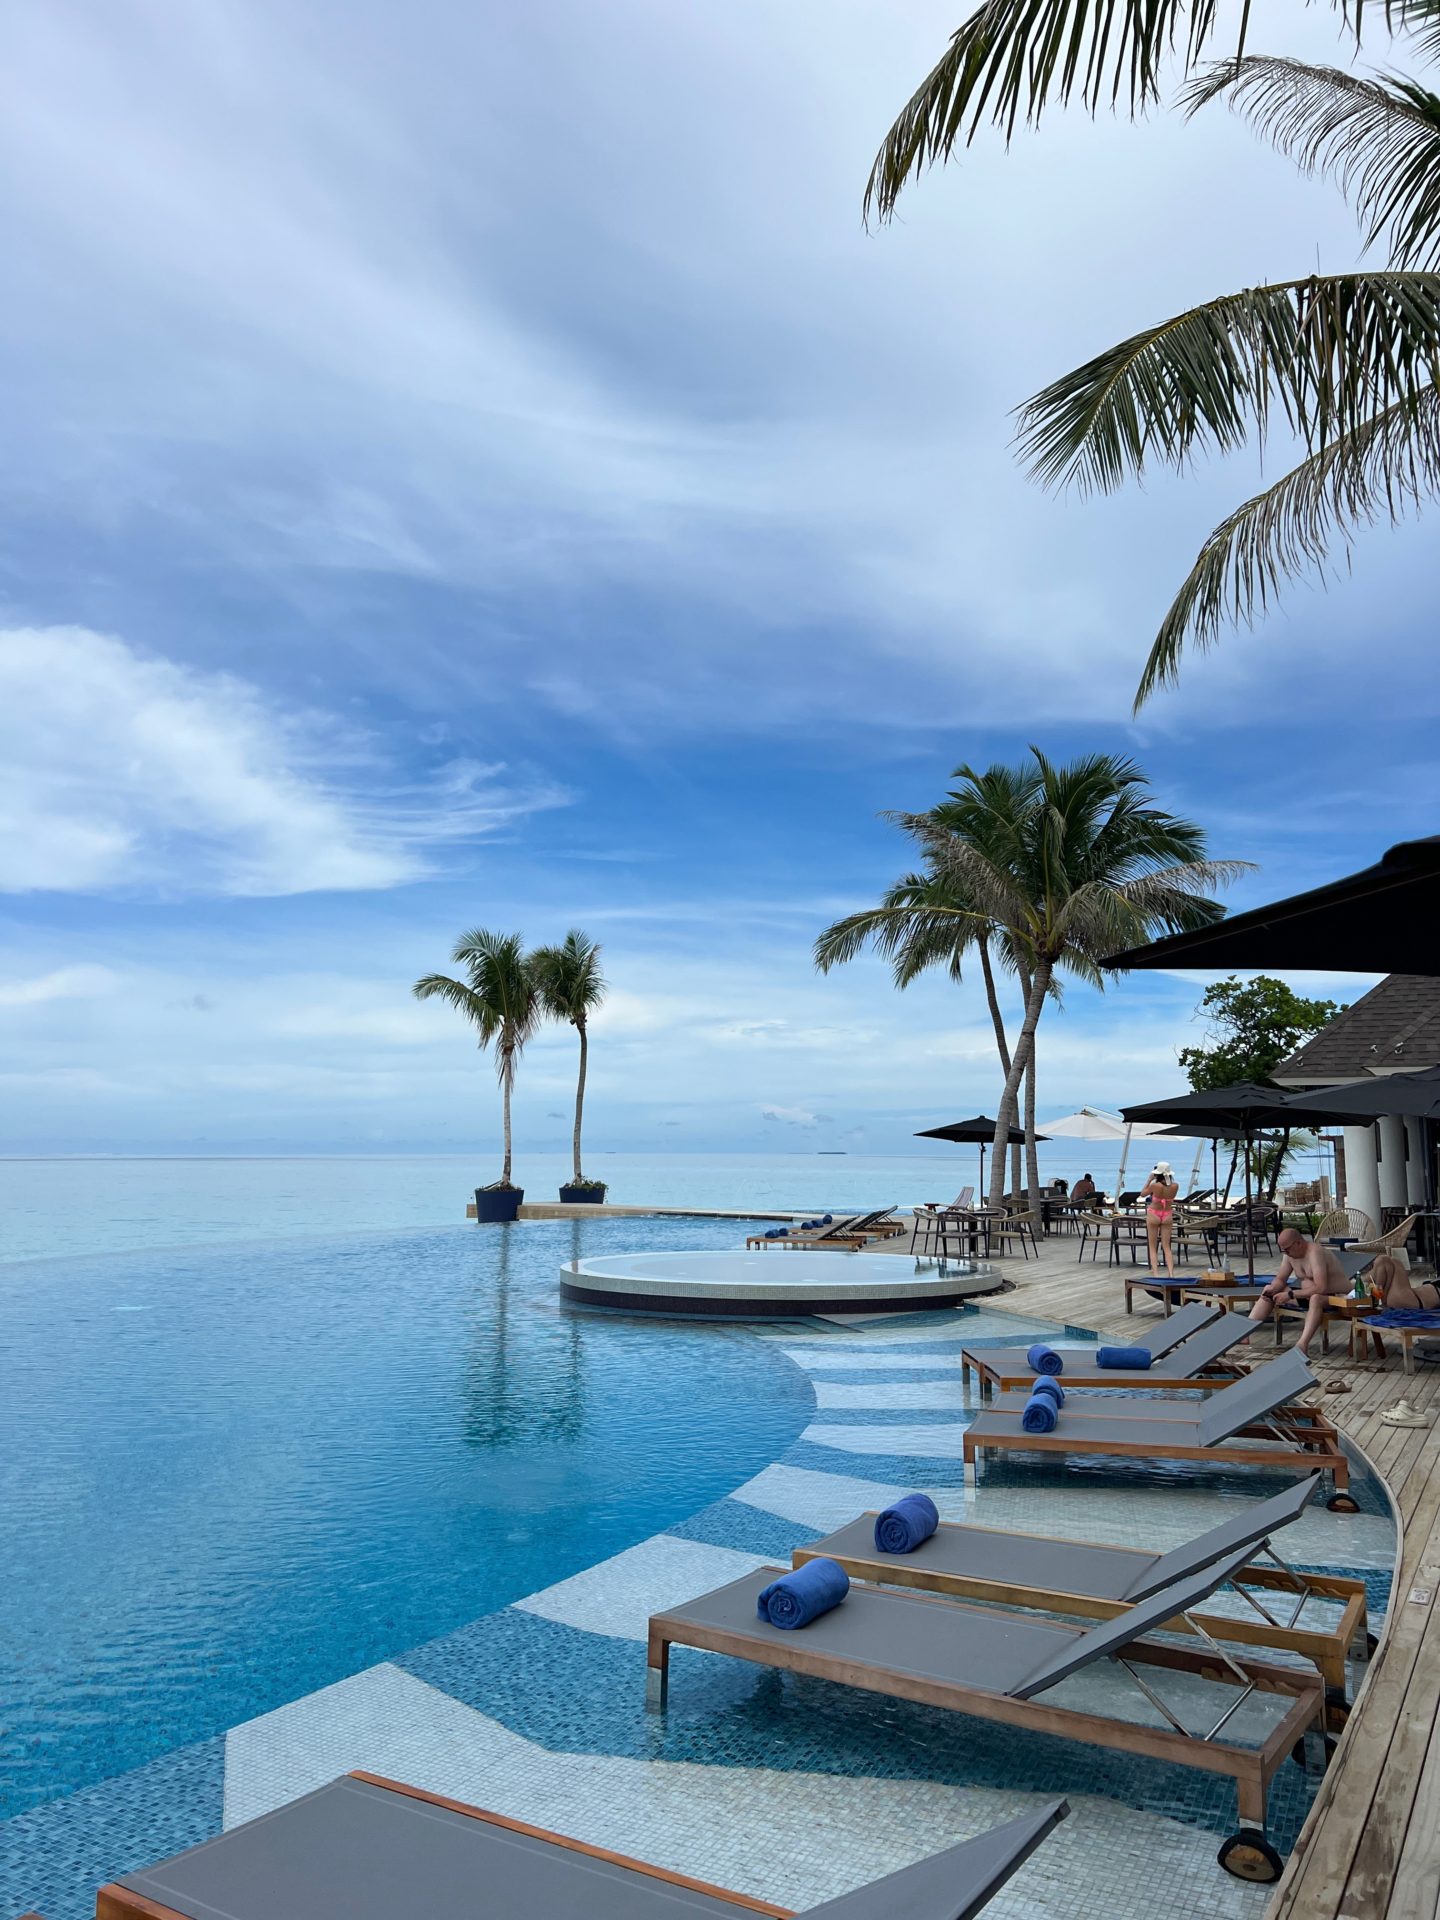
1160	1191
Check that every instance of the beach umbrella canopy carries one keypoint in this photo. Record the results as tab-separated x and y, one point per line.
978	1131
1414	1095
1385	919
1089	1123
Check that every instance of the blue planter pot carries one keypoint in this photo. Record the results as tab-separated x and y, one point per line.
498	1203
583	1196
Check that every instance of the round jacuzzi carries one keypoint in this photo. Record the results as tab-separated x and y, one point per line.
772	1284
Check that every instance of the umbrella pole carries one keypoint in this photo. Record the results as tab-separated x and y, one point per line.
1249	1217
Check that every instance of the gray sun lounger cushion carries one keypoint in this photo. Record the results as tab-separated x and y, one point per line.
1157	1342
954	1885
978	1649
357	1851
1063	1566
1142	1423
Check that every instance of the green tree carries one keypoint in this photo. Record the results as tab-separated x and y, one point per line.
922	921
1349	362
1082	869
499	997
1253	1026
571	986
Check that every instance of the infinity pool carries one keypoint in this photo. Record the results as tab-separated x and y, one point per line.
229	1476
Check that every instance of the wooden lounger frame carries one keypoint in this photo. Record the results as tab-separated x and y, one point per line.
1251	1768
114	1902
1328	1648
850	1242
1308	1442
992	1379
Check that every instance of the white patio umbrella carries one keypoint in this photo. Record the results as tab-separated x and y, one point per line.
1094	1123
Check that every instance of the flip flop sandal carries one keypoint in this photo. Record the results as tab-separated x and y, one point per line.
1336	1386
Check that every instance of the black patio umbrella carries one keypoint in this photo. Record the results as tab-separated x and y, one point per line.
1246	1109
980	1132
1385	919
1201	1130
1413	1096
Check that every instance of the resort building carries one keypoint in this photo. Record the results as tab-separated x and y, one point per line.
1395	1028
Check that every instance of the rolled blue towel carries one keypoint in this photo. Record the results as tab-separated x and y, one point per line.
772	1233
1044	1359
1051	1389
901	1528
797	1598
828	1221
1132	1359
1040	1413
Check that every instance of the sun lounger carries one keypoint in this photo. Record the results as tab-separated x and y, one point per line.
364	1848
993	1664
1072	1576
850	1231
1251	1410
1194	1364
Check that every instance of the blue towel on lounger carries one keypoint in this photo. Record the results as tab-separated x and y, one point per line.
901	1528
797	1598
1043	1359
1405	1317
828	1221
1132	1359
1040	1413
1050	1390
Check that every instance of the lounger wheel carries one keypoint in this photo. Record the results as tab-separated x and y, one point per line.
1343	1503
1250	1856
1372	1646
1337	1709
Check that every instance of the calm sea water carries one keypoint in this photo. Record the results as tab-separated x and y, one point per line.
65	1207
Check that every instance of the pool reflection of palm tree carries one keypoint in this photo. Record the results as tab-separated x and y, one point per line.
517	1387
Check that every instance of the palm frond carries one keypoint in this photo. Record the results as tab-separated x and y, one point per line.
1327	352
1377	138
1382	468
1013	58
568	977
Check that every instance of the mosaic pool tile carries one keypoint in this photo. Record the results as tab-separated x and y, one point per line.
732	1523
618	1595
53	1857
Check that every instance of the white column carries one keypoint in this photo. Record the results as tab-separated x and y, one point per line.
1392	1161
1415	1171
1362	1175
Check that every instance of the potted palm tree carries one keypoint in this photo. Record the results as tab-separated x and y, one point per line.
570	985
498	997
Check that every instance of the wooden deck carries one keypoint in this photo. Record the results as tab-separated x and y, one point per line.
1370	1849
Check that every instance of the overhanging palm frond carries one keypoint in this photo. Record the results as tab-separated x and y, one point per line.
1384	467
464	999
1377	138
1013	58
1327	352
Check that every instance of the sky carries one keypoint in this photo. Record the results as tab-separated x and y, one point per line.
477	469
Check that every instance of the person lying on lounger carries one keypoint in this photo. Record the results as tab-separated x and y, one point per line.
1396	1289
1307	1273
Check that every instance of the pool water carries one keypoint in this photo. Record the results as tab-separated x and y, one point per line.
231	1475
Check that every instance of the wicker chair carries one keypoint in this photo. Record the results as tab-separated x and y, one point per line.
1019	1226
1346	1223
1388	1242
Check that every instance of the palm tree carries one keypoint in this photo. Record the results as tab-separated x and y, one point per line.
1086	869
498	996
571	985
922	921
1349	362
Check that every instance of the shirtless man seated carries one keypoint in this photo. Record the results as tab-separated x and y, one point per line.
1396	1289
1308	1272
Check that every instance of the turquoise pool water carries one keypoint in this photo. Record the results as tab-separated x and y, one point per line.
234	1474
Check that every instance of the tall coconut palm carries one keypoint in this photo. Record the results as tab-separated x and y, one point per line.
921	922
1350	362
571	986
499	997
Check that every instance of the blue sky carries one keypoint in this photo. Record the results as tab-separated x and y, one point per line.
476	469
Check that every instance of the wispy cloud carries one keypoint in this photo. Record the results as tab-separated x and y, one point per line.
124	770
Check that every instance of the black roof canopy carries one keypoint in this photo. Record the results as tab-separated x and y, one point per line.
1385	919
